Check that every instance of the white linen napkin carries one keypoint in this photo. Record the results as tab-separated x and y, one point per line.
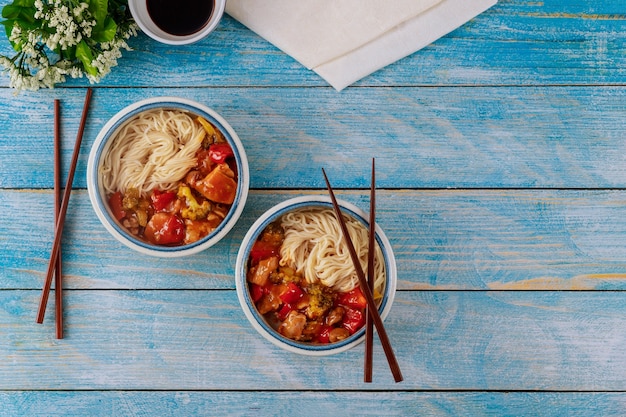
346	40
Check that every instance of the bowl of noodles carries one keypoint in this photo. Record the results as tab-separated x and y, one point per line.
296	282
167	176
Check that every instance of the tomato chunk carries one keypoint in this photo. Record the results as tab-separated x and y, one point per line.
165	229
262	250
115	203
160	200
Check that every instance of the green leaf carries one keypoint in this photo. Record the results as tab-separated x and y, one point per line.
69	54
8	23
24	3
83	53
99	11
11	11
106	33
21	13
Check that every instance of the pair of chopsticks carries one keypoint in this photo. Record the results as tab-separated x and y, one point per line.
372	318
60	207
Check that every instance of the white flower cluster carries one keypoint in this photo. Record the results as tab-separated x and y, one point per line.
69	28
46	55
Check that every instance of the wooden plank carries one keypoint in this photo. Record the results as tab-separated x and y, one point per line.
442	239
201	340
378	404
528	137
515	42
502	193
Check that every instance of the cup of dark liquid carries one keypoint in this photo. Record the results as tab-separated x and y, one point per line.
177	22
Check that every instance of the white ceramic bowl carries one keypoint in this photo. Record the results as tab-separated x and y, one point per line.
258	321
139	11
98	197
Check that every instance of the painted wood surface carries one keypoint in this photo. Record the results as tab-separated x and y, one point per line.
246	403
442	240
450	340
517	42
500	155
491	137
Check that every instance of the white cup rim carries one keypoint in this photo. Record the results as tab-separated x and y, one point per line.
139	11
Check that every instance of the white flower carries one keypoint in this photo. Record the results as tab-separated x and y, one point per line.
45	54
16	34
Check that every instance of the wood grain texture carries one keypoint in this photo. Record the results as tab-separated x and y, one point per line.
516	42
151	340
442	240
530	137
500	164
314	404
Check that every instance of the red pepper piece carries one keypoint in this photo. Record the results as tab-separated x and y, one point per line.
165	229
284	311
353	298
353	320
293	294
220	152
324	334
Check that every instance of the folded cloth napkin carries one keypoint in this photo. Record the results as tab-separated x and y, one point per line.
346	40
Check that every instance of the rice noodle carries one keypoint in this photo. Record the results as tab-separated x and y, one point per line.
153	150
314	247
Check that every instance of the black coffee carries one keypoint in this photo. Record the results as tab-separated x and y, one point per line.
180	17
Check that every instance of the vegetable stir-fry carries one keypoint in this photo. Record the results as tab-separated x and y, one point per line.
297	309
192	211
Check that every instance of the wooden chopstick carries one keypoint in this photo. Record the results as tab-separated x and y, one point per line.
373	311
369	325
58	274
58	231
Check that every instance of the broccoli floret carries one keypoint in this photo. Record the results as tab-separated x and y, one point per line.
284	274
320	301
192	210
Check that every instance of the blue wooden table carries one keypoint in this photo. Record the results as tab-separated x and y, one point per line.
501	166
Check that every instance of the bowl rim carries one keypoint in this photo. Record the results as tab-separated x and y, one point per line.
101	145
138	9
248	306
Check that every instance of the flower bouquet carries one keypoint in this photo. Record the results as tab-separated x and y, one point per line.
54	39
